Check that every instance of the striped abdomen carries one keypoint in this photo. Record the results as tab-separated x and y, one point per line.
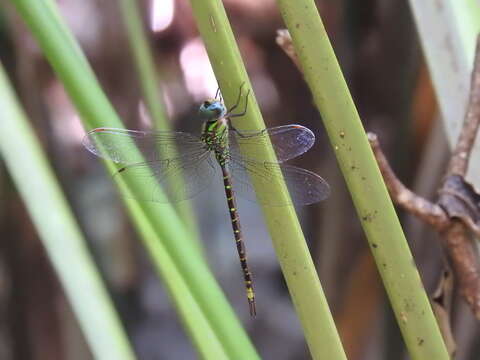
237	232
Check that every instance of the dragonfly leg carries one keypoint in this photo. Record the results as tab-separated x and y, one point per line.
238	99
244	109
218	94
243	136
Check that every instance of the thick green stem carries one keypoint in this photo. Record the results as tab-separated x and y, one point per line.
374	207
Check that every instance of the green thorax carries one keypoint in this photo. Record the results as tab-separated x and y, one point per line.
215	129
215	137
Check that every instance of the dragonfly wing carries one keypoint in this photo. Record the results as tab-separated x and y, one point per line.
171	180
288	141
305	187
134	146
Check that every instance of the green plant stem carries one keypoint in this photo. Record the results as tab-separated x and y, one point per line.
59	231
282	222
150	85
143	60
374	207
76	75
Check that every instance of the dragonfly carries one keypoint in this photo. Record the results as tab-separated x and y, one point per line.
175	166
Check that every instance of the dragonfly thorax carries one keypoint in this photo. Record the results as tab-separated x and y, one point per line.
212	109
215	137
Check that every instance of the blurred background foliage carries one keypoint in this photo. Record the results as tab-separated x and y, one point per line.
379	52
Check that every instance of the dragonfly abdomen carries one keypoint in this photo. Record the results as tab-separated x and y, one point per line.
237	233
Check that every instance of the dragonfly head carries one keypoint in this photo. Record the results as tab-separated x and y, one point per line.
212	109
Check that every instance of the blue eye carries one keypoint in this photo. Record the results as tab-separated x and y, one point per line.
212	109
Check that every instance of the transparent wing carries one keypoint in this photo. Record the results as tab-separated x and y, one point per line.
288	141
305	187
179	178
174	164
122	146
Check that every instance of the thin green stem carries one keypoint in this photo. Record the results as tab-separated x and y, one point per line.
282	222
144	63
374	207
59	231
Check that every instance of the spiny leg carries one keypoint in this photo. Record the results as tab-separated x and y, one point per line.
230	115
238	99
237	232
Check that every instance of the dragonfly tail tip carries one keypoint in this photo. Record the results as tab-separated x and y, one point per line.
253	310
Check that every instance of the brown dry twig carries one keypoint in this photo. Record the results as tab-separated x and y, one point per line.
429	212
457	211
461	154
284	40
